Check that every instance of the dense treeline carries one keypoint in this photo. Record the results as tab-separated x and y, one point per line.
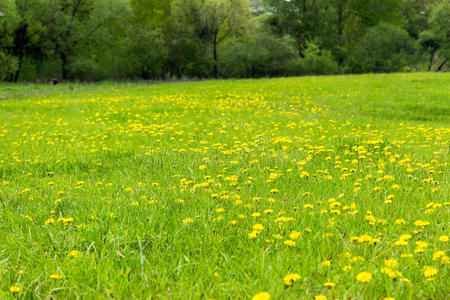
161	39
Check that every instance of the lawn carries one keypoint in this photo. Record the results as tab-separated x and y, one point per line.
331	186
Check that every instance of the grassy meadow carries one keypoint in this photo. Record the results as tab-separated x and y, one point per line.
294	188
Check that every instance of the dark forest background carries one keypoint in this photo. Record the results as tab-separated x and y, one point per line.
92	40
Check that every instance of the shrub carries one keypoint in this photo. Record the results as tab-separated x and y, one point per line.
384	48
143	54
8	65
258	53
317	61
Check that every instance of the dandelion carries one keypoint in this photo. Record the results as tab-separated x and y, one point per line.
258	227
294	235
438	254
289	243
326	263
49	221
420	223
261	296
429	271
55	276
75	253
15	289
443	238
253	234
364	277
347	268
392	263
188	221
291	278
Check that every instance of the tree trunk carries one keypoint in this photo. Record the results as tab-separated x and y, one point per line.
20	42
64	71
431	60
442	64
19	67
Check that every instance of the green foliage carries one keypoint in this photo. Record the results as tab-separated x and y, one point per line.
384	48
154	39
152	12
436	39
259	53
8	65
318	61
211	22
143	54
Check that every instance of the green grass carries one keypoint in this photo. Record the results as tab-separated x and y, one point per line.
165	184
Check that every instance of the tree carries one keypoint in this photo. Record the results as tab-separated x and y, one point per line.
212	21
75	26
298	18
331	24
8	23
436	40
416	14
258	52
152	12
384	48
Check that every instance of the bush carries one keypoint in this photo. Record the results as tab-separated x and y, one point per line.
143	55
384	48
8	65
258	53
317	61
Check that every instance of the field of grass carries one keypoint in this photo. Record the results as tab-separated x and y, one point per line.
294	188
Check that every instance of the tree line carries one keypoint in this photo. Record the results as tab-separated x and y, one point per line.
163	39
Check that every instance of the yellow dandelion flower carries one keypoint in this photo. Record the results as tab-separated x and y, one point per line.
291	278
326	263
75	253
188	220
420	223
15	289
294	235
289	243
364	277
55	276
49	221
406	255
261	296
253	234
392	263
438	254
429	271
347	268
258	227
443	238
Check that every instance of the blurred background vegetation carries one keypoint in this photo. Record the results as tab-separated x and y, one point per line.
91	40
